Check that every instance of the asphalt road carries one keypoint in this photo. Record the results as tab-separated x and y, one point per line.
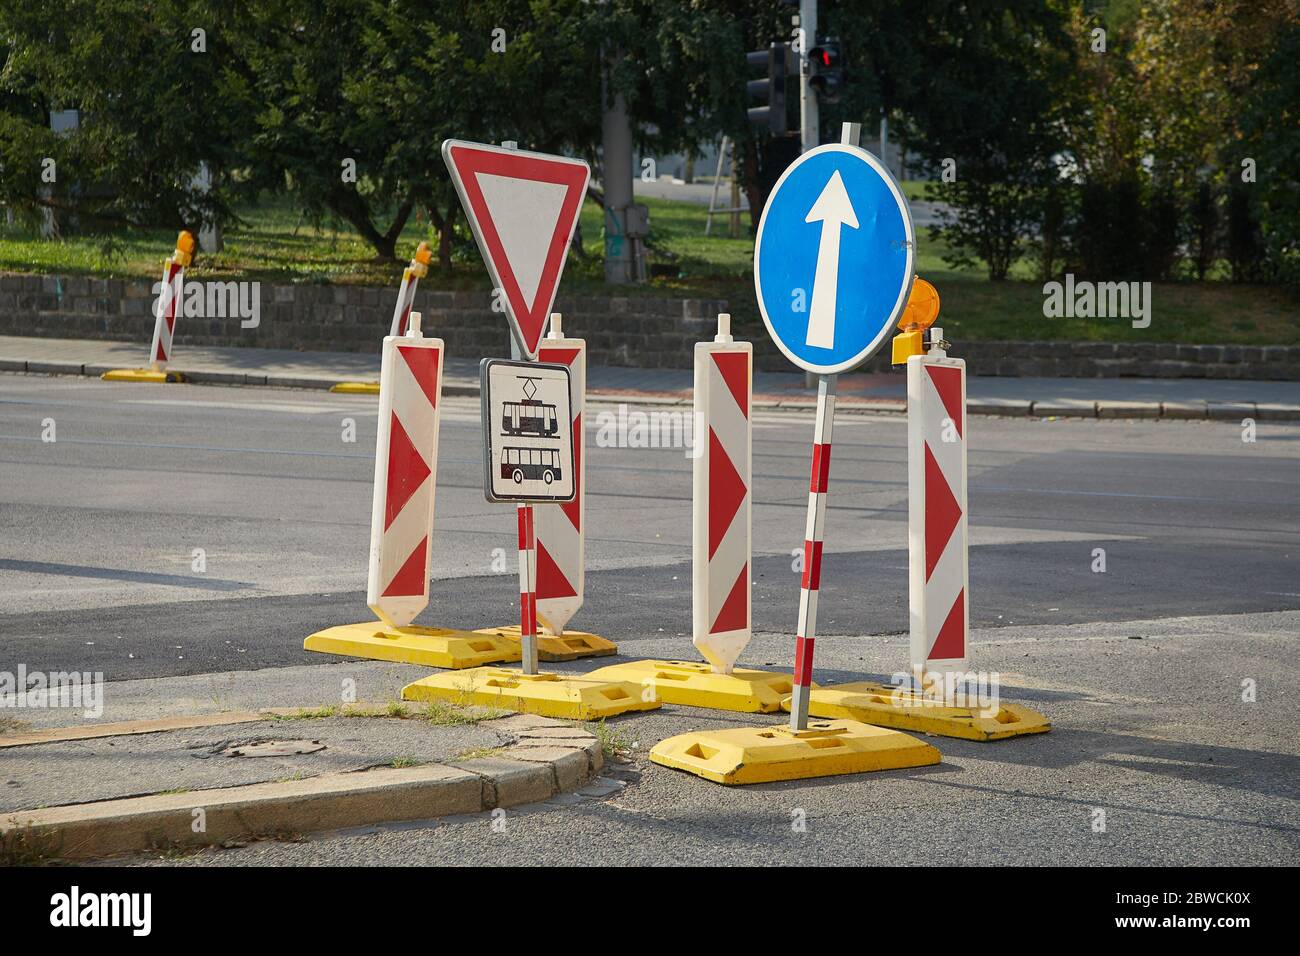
1139	667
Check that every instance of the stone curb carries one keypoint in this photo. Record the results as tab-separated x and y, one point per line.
546	757
1067	408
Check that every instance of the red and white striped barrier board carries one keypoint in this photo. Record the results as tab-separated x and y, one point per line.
559	528
721	500
936	465
173	283
406	457
809	586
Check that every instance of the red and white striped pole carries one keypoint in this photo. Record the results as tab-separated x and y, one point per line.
411	276
173	287
559	530
721	500
527	589
561	527
406	462
812	552
938	575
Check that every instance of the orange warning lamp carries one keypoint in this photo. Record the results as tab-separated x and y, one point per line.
184	248
420	264
922	307
918	315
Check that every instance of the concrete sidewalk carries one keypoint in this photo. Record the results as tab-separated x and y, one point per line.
1098	397
194	774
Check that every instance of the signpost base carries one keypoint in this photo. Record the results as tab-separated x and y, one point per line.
545	694
141	375
568	646
428	646
356	388
903	709
825	748
693	684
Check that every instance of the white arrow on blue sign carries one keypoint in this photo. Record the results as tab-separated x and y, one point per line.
833	260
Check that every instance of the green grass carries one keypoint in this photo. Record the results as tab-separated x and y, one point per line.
29	846
272	244
613	740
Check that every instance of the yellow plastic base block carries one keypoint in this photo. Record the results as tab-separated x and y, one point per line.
549	695
356	388
568	646
693	684
888	706
766	754
141	375
430	646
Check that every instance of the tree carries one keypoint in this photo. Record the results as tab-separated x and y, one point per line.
982	88
1270	148
132	70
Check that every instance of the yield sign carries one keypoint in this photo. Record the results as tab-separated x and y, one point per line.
523	208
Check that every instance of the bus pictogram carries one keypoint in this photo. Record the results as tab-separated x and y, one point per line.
532	463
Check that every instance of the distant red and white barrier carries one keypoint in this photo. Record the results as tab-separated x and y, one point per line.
560	529
722	500
406	456
936	466
411	276
173	285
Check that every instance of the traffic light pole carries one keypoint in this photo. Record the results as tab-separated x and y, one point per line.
808	116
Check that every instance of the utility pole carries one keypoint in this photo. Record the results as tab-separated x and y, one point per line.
616	178
884	138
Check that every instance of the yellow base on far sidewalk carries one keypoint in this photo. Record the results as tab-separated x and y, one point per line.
141	375
568	646
356	388
694	684
430	646
740	755
545	694
903	709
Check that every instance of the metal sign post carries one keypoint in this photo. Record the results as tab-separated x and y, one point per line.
527	589
523	208
812	551
832	272
832	269
529	455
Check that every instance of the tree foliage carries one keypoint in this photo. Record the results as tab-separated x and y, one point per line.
1127	162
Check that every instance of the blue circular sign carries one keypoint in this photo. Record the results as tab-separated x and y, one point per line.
833	259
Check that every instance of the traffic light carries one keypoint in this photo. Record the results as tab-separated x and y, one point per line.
776	60
827	66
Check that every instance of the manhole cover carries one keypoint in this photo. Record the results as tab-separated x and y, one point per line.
273	748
